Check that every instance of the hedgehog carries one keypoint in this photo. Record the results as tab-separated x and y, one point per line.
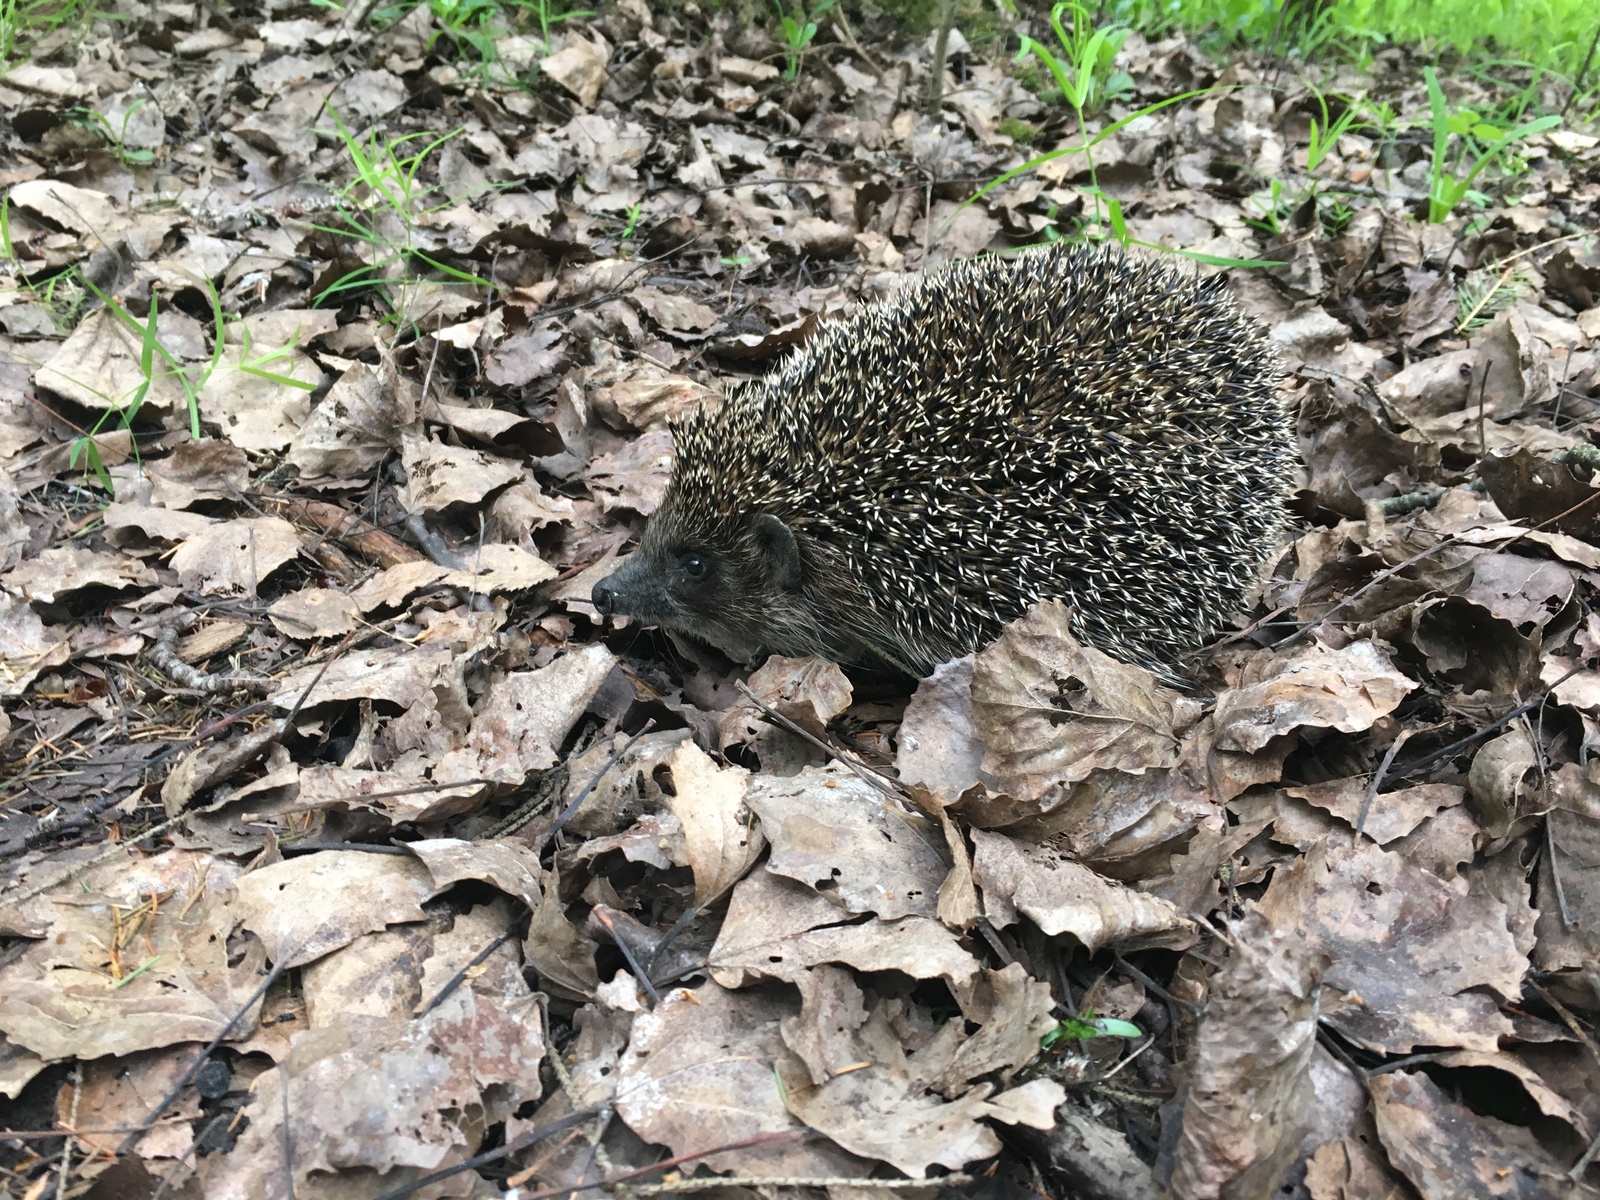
1072	423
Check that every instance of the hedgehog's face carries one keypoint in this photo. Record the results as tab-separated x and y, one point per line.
728	582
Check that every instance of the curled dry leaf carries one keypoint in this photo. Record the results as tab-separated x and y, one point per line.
61	571
399	675
314	613
1251	1095
523	718
777	929
1414	959
1448	1151
702	1070
1391	815
580	67
719	831
938	747
26	646
1569	883
354	428
1061	896
1050	711
809	691
833	832
878	1099
509	866
438	475
334	898
234	557
1344	689
384	1102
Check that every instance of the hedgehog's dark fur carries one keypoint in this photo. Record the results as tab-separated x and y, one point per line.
1068	423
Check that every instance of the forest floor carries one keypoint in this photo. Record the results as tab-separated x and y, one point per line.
344	847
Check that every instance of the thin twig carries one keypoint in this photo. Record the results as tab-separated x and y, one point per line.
1377	780
866	774
132	1140
1427	760
571	810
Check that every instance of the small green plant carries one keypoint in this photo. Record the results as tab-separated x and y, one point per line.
1273	210
157	362
7	251
379	209
1325	136
478	25
798	32
1088	1026
23	22
1080	72
1486	292
115	137
1019	131
1478	143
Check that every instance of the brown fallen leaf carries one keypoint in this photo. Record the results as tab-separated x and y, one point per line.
1050	711
703	1070
1061	896
1251	1095
1316	686
833	832
1413	957
1448	1151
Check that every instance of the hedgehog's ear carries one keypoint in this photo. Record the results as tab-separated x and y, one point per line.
781	550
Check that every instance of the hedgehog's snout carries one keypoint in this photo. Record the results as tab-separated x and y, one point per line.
627	592
604	597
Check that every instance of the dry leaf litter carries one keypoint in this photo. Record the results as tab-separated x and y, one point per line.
343	845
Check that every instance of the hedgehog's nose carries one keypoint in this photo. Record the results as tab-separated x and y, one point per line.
604	597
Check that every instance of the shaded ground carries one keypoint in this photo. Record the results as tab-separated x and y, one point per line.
334	374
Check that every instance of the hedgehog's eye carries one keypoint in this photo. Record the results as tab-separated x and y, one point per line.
695	566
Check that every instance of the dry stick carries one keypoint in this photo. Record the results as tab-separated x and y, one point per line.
571	810
866	774
495	1155
1570	1021
1567	918
1566	374
634	964
1448	540
777	1137
1582	1165
941	54
72	1119
1427	760
456	980
288	1136
708	1182
1583	71
1483	386
1377	782
132	1140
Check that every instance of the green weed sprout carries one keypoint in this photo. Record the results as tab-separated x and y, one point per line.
25	21
386	182
116	139
477	24
156	362
1325	137
798	33
1088	1026
1479	143
1080	73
